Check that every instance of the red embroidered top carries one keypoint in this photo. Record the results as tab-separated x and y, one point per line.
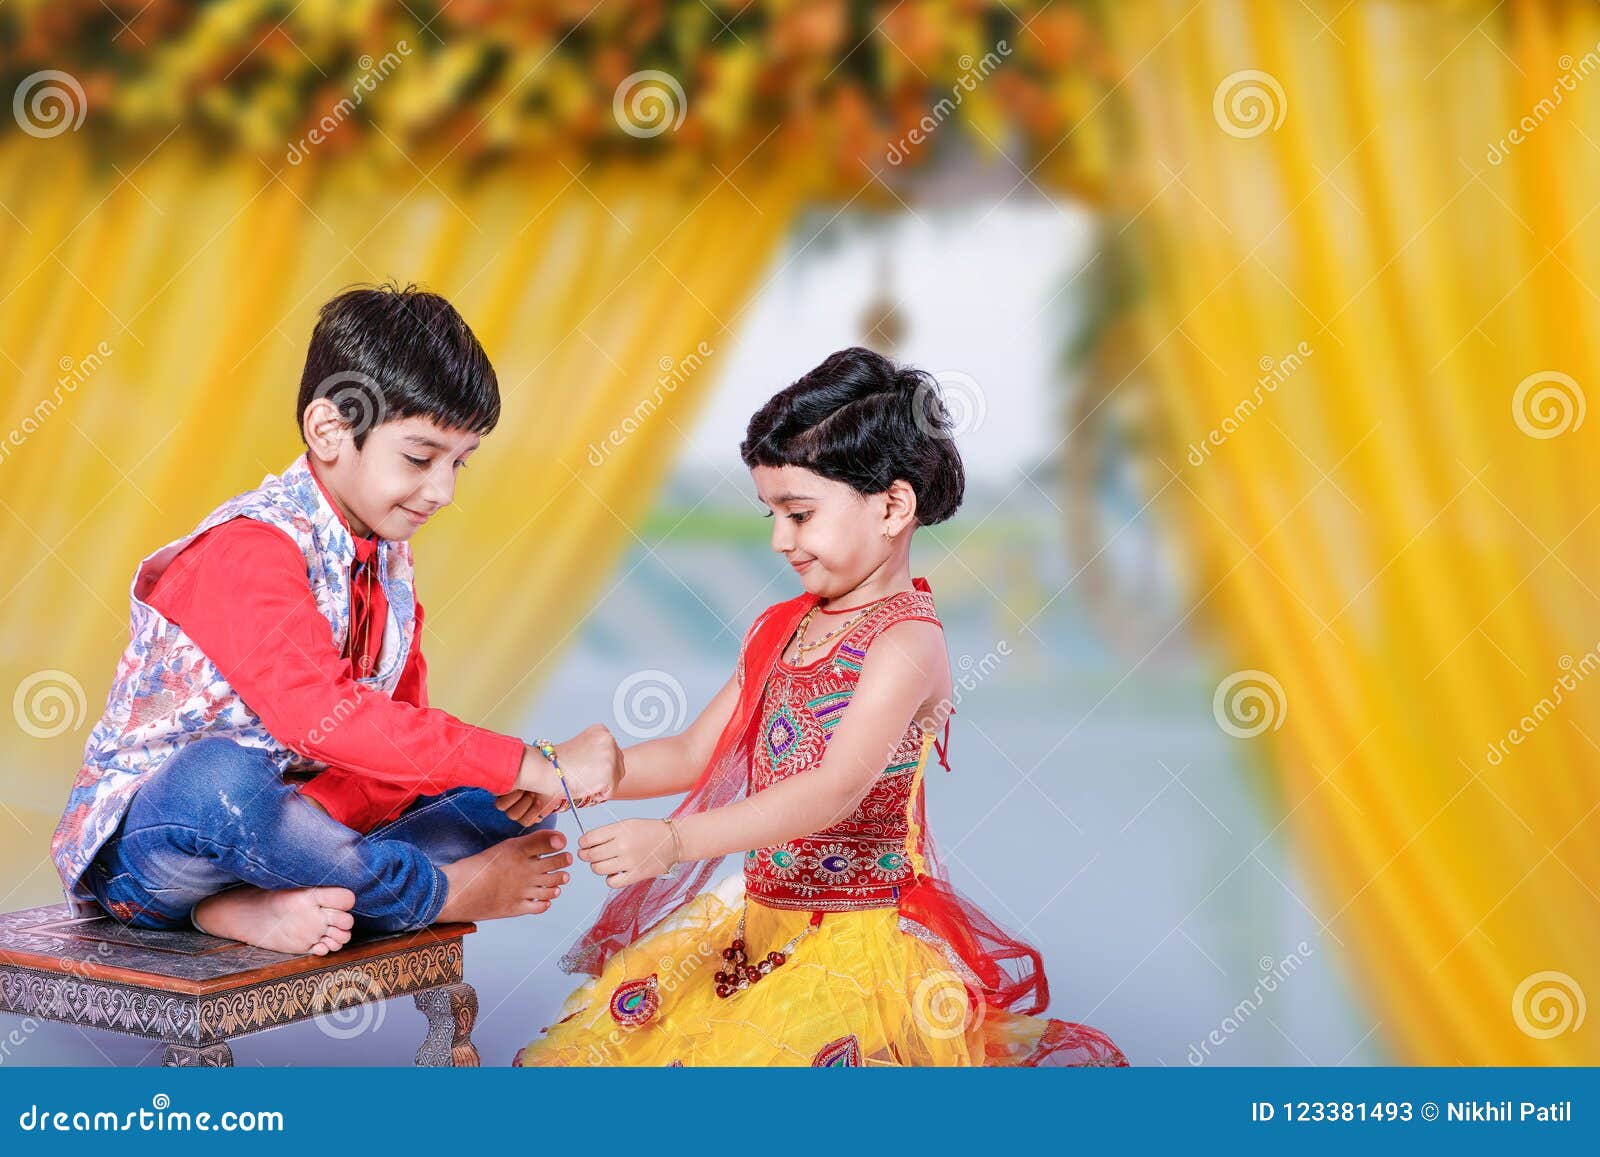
239	591
864	860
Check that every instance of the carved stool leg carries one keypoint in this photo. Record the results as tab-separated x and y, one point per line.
451	1010
216	1056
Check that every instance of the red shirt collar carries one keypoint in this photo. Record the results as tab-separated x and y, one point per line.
365	547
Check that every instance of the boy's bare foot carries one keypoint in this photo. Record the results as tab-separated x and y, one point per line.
298	920
516	877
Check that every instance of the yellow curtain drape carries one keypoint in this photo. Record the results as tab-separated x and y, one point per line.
1371	341
153	328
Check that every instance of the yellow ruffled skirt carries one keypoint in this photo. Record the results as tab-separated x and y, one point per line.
857	990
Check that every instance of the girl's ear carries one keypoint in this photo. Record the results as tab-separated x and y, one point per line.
900	508
324	428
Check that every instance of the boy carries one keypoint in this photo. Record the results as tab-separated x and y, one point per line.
267	767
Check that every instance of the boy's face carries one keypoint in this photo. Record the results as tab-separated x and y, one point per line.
404	472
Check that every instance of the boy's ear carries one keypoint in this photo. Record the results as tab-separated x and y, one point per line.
324	428
900	507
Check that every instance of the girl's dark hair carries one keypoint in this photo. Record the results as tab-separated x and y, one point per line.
383	353
862	420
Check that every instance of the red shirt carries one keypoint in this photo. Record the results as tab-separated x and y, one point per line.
239	591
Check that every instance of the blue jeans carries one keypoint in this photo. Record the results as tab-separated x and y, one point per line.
218	815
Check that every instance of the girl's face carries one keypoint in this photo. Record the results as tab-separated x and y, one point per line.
832	536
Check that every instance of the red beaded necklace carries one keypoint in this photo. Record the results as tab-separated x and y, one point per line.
741	974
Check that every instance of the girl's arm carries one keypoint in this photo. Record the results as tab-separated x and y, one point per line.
896	679
656	767
671	764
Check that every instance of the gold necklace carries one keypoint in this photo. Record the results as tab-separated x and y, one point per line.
801	647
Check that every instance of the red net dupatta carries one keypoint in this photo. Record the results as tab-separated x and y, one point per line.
1007	971
634	910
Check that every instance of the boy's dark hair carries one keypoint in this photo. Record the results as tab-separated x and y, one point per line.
382	352
862	420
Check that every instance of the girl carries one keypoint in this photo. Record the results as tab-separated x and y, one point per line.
842	943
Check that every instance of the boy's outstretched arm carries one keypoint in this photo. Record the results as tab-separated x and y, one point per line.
656	767
240	593
904	664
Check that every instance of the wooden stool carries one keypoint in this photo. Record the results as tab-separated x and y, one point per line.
197	992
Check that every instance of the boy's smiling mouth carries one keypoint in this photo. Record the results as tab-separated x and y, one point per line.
419	519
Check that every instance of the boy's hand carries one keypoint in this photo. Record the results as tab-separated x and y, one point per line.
525	807
629	851
591	760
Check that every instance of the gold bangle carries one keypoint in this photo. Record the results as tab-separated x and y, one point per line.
677	844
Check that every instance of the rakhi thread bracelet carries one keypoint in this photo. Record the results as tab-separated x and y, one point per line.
548	750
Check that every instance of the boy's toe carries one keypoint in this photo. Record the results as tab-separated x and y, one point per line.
341	898
338	918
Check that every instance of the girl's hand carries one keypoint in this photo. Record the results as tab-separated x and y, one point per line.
628	851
